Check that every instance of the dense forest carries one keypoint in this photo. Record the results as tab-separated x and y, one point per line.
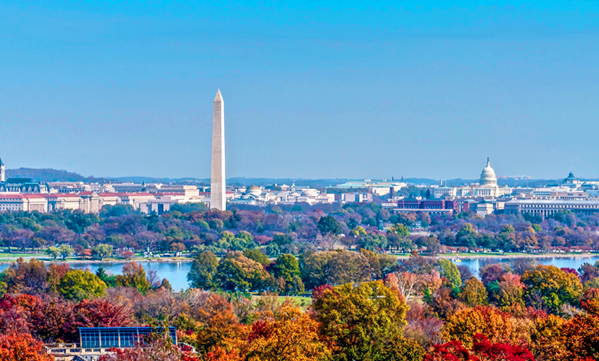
293	230
361	307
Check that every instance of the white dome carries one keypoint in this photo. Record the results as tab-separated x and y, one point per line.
255	190
310	193
488	177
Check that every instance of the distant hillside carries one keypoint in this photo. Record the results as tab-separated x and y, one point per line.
49	175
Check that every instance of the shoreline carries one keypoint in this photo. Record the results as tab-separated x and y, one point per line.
558	255
155	260
399	256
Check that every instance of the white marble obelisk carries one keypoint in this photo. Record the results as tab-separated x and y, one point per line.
218	188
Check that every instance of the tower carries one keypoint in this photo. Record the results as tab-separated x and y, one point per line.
2	172
218	188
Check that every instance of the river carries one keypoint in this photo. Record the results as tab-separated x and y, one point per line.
176	272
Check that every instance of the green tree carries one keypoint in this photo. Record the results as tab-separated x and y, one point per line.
78	285
256	255
273	250
287	268
362	322
66	251
400	230
237	273
550	287
203	270
53	252
329	224
102	251
450	271
106	278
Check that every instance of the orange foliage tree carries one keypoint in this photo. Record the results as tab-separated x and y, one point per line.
496	325
286	334
22	347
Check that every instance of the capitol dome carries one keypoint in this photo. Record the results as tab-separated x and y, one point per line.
488	177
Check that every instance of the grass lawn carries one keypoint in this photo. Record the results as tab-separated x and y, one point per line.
4	255
302	302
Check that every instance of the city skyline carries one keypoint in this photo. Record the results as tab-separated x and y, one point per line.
327	91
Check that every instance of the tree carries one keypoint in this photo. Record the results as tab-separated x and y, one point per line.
450	271
134	275
53	252
238	273
256	255
287	269
78	285
546	340
580	336
102	313
400	229
66	251
203	271
474	293
511	291
329	224
56	272
465	324
360	322
482	349
287	334
22	347
553	287
102	251
26	277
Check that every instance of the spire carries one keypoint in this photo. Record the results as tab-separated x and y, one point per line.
488	162
218	97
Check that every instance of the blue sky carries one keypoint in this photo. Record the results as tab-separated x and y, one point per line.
319	90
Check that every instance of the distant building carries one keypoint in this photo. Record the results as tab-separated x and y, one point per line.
487	187
23	185
547	207
421	206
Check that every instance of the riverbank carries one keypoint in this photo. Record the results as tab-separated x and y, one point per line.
108	260
507	255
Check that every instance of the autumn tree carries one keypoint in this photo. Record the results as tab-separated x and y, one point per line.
493	323
221	328
360	322
550	287
27	277
134	275
287	334
236	272
474	293
580	336
22	347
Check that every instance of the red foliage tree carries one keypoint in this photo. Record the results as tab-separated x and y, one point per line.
22	347
482	350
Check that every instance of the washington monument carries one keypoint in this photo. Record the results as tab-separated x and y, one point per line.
218	188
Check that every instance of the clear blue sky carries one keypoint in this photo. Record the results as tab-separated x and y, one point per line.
312	89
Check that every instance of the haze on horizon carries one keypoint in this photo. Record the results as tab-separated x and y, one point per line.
346	89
